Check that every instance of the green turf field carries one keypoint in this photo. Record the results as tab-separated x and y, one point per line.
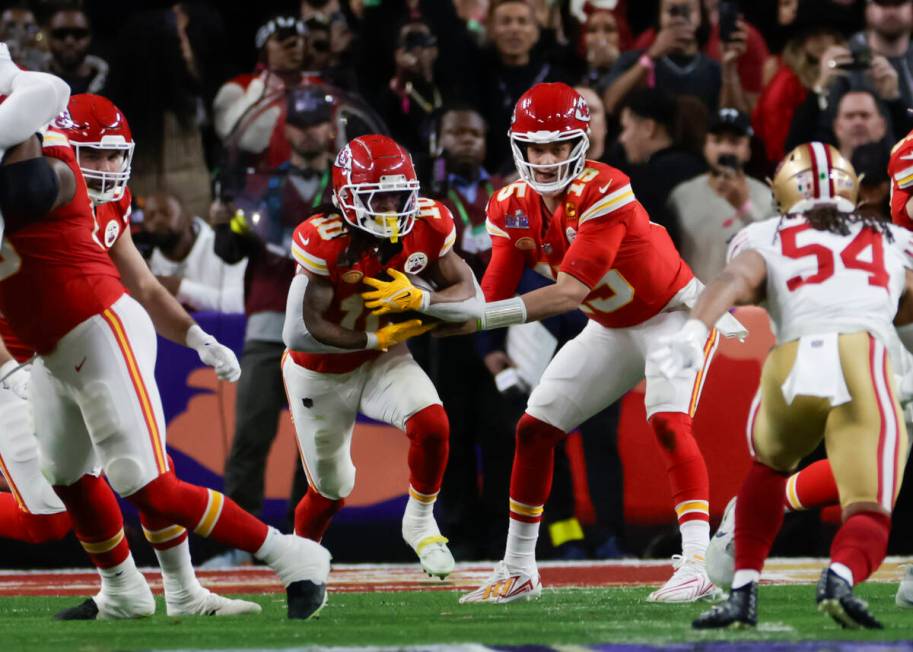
569	616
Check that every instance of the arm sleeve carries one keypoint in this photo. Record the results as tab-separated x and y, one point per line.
295	334
459	311
33	100
204	297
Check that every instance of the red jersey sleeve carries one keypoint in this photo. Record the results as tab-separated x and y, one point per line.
314	243
900	168
605	202
438	229
502	276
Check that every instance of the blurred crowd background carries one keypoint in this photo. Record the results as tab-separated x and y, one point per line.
237	110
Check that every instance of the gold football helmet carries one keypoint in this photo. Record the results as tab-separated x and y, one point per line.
813	174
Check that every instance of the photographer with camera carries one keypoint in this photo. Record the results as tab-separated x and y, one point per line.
712	207
673	62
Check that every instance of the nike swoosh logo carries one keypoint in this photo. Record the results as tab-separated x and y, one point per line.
605	187
79	366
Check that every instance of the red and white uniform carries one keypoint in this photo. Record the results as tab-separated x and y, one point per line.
327	390
640	290
93	385
900	168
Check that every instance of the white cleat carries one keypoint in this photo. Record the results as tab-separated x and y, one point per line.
720	557
430	546
115	603
506	586
435	557
208	603
689	583
904	597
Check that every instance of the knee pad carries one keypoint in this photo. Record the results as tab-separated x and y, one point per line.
125	475
429	424
334	481
533	432
672	429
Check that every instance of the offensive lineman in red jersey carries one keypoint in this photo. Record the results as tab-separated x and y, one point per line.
345	356
578	222
96	403
101	138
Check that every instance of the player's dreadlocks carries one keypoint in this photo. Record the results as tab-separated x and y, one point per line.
826	217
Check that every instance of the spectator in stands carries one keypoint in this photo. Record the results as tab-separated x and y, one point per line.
712	207
328	52
800	71
509	67
481	425
184	258
657	163
888	24
22	35
69	36
413	95
858	121
166	66
598	126
871	163
673	62
282	199
249	109
604	37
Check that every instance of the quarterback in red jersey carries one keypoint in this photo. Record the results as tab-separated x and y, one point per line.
346	356
579	223
900	169
97	406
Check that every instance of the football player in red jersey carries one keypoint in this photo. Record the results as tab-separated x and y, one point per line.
101	138
97	407
578	223
346	356
900	169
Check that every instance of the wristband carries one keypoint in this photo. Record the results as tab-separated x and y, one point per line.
426	300
650	67
370	340
499	314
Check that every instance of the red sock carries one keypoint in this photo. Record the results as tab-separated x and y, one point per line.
20	525
684	464
534	465
314	513
429	444
812	487
97	520
207	512
758	516
861	543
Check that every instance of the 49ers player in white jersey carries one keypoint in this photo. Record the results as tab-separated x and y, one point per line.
831	280
346	356
97	406
579	223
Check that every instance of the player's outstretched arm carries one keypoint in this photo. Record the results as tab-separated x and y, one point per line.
168	315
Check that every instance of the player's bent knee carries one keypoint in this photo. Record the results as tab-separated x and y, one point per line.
532	432
126	475
336	483
429	424
672	429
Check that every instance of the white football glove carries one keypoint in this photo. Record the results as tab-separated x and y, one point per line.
15	378
213	354
683	352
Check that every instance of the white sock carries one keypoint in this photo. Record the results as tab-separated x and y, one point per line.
695	538
270	550
178	578
743	577
420	506
842	571
521	545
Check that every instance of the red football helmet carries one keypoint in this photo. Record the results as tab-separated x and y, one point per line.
375	186
549	113
93	121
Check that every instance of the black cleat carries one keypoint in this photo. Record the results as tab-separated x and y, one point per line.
305	599
835	598
86	610
739	610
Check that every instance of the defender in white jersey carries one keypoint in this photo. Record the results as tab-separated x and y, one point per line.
832	281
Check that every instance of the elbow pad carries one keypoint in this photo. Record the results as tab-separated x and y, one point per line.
28	190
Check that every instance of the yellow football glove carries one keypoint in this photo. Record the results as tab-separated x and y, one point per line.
398	295
392	334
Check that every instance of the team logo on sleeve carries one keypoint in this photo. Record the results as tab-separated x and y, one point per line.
517	220
111	233
416	262
570	233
